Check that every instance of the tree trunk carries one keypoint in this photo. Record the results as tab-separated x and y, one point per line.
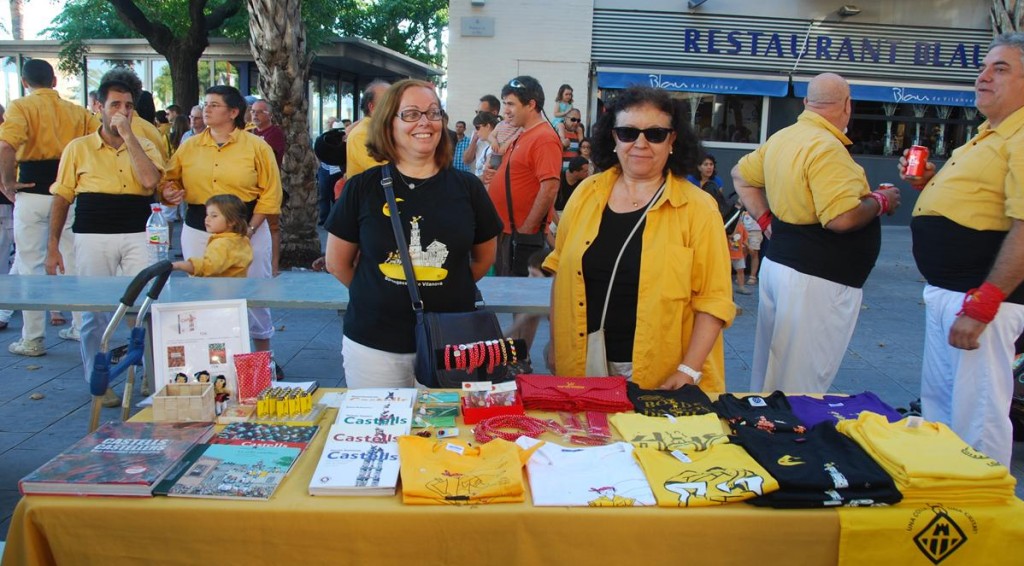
277	37
184	68
17	19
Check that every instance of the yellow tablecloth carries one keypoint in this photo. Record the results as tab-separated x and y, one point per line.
295	528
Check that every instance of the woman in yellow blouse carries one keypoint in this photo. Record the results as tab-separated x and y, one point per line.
672	293
225	159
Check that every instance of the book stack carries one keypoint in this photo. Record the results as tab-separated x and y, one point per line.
125	459
244	461
360	456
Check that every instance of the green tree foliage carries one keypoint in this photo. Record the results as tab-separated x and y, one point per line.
412	27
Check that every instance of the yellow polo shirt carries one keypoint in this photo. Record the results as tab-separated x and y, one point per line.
982	185
809	176
245	166
145	129
685	269
90	165
41	124
357	157
227	255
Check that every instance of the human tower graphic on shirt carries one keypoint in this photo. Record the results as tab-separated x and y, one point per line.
428	263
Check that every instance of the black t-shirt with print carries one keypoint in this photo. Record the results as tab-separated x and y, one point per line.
443	218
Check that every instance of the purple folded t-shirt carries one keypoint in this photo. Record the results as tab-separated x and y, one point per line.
835	408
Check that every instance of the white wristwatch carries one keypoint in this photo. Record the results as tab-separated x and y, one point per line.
696	375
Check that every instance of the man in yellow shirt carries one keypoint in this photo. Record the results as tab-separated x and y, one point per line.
36	129
110	176
825	238
968	231
357	158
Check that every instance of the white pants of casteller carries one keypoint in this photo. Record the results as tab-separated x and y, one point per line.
31	232
6	247
193	244
804	324
970	390
98	255
370	367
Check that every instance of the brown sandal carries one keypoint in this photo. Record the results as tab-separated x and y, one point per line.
57	319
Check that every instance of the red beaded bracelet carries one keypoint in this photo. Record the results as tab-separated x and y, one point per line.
488	429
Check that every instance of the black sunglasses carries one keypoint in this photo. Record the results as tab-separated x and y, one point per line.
629	134
574	119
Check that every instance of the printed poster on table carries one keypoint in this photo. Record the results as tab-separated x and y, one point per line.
196	341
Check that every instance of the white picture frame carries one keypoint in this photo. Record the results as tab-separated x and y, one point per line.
191	337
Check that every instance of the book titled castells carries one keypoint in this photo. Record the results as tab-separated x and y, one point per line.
119	459
360	455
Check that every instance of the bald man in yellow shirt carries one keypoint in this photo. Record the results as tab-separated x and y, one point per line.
357	158
36	129
814	203
968	231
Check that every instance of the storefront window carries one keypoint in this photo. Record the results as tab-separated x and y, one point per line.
719	118
347	101
163	86
878	128
97	67
329	87
315	117
225	74
205	77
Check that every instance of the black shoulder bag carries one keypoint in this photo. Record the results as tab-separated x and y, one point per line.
435	330
523	245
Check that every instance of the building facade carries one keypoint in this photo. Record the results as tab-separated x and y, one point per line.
742	66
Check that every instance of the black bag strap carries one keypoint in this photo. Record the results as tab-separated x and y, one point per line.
508	187
403	247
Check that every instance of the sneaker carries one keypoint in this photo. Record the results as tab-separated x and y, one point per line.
110	399
743	290
70	334
31	348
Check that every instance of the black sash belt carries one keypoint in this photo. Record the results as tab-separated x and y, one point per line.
43	173
195	215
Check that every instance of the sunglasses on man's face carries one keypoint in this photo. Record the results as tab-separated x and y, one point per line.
574	119
629	134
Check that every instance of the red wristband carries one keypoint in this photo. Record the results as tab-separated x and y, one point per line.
765	220
982	303
882	200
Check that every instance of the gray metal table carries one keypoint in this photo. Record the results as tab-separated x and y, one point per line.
291	290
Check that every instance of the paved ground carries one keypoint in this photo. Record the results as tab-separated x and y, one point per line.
884	357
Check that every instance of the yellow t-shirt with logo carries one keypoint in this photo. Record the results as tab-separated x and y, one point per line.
723	473
930	461
451	472
688	434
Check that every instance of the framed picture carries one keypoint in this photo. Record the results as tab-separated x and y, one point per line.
196	342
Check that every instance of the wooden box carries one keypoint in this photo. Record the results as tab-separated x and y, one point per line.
178	402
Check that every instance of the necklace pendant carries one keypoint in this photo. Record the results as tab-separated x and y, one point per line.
412	186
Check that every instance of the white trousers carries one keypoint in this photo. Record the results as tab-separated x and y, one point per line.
98	255
804	324
370	367
31	232
193	244
6	248
970	390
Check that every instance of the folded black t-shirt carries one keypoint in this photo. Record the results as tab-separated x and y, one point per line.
686	401
770	413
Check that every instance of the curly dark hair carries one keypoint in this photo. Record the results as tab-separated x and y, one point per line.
686	151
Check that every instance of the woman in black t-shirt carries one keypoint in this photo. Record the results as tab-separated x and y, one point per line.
450	225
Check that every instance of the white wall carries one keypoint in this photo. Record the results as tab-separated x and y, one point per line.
546	39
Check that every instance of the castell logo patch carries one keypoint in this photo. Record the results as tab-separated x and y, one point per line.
941	537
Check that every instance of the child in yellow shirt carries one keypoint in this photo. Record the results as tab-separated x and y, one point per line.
228	252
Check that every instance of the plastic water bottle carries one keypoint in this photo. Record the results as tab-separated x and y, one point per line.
157	235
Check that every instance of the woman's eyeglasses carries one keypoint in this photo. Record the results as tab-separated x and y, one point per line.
628	134
214	105
413	115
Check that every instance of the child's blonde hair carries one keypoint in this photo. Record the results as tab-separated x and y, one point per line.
234	211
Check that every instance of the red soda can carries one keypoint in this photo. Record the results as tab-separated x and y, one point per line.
917	158
883	186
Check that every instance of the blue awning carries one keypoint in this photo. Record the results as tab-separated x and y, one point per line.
899	93
759	85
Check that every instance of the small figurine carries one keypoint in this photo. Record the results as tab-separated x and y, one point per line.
180	378
220	392
203	376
